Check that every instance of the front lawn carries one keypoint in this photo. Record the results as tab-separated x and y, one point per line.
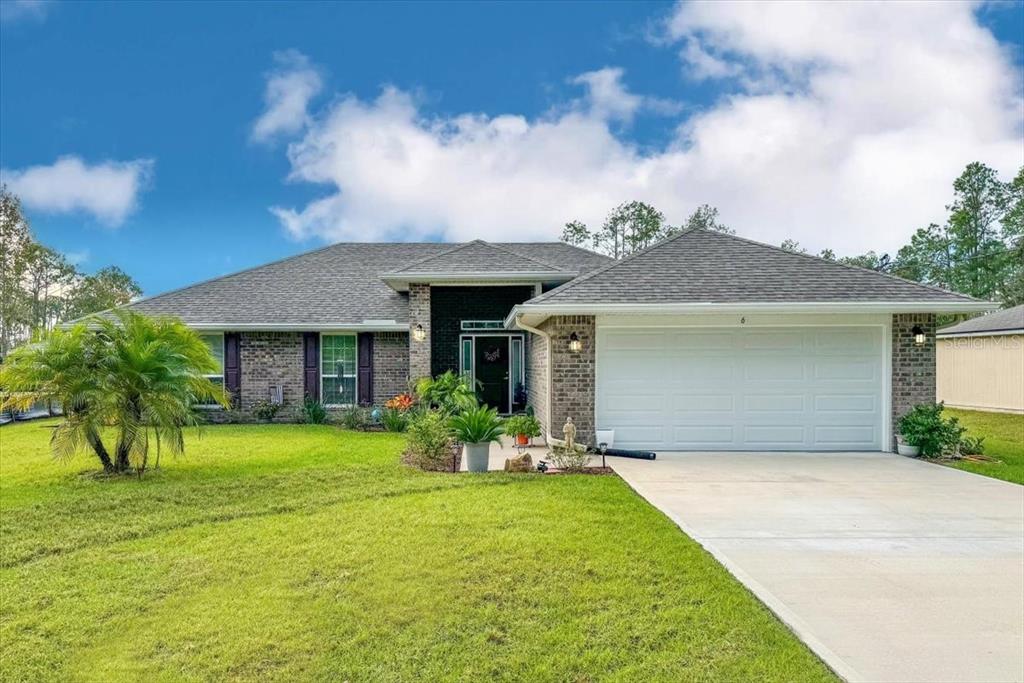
1004	442
288	552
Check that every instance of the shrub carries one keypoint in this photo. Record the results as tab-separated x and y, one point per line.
477	425
971	445
925	428
429	444
450	393
522	424
265	410
354	417
313	412
394	420
565	459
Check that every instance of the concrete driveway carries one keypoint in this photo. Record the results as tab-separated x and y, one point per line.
891	569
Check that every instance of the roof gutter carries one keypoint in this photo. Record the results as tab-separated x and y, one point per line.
547	369
980	333
545	309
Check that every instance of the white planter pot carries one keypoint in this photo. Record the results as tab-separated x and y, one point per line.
904	449
478	456
605	436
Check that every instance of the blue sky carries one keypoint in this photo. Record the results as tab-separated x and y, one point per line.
132	131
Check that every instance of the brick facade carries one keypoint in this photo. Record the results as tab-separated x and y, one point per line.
390	365
572	375
449	306
419	314
537	378
913	367
271	359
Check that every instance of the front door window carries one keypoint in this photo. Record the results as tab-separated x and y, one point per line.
495	365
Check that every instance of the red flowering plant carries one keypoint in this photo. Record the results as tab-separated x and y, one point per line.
402	402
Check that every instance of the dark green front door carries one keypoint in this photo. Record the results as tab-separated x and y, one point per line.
491	365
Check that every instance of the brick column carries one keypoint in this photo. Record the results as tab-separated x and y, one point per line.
572	375
419	314
913	367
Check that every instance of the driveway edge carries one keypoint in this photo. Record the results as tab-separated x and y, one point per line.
832	660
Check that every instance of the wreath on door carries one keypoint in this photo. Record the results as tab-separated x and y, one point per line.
492	355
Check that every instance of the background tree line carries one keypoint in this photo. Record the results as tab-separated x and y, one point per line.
40	288
978	250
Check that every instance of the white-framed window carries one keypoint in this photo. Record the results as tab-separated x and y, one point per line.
215	341
476	325
338	369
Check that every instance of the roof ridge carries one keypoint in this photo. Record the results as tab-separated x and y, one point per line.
511	252
615	262
839	263
455	247
489	245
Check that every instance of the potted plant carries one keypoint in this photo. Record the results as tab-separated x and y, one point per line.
524	427
476	428
923	431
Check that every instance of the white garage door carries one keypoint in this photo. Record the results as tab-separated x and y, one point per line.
795	388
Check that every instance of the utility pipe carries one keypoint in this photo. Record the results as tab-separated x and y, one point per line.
547	369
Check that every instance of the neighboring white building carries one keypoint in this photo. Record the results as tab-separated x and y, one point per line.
980	362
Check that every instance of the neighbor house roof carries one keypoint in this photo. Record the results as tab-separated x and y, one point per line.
1009	320
702	267
339	285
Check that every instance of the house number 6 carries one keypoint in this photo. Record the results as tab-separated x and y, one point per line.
743	321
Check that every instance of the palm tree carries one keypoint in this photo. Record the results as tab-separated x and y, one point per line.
143	376
62	367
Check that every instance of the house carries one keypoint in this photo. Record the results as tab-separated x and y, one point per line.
981	362
703	341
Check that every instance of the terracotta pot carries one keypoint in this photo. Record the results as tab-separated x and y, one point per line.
522	440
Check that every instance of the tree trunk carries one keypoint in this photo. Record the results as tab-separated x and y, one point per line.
101	451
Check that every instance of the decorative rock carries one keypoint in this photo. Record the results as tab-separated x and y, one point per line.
523	463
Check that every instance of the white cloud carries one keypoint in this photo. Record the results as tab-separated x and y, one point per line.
608	98
24	10
845	129
108	190
290	87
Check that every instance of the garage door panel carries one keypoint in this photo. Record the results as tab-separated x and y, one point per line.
705	342
743	388
774	403
775	369
865	435
781	341
851	403
713	403
791	436
704	436
846	369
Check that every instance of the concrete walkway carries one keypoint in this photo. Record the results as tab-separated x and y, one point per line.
891	569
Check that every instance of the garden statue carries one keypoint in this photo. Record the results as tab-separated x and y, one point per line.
569	431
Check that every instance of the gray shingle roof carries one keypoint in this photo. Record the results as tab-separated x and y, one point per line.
478	257
1008	319
702	266
337	285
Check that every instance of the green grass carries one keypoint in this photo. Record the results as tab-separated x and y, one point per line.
288	552
1004	441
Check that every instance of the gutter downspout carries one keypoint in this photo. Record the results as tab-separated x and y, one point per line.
547	370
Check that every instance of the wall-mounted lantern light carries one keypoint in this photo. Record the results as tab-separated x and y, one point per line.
418	333
918	335
575	345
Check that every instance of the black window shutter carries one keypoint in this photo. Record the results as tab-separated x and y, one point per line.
311	364
366	368
233	366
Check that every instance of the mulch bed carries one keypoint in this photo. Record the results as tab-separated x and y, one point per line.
585	470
